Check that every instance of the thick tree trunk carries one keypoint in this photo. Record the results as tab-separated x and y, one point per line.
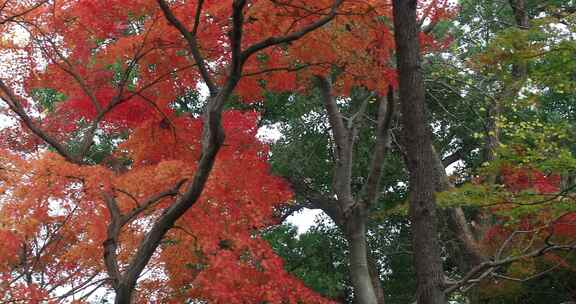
124	294
420	158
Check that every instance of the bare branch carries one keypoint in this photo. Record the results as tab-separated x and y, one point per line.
22	13
293	36
192	43
385	115
14	104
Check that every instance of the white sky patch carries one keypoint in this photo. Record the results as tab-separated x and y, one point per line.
304	219
453	167
6	121
269	133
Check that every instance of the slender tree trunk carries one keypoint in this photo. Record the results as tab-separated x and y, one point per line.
359	271
457	222
468	252
519	72
375	276
420	158
352	214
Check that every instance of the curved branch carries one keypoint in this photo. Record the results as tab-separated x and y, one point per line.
190	37
293	36
13	103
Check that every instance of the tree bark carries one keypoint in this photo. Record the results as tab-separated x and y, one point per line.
352	214
457	222
420	160
364	291
375	276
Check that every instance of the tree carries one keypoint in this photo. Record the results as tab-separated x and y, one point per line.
344	177
419	156
520	157
454	94
118	175
126	66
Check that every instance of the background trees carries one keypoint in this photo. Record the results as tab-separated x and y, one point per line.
460	91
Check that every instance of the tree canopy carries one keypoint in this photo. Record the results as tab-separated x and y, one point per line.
437	138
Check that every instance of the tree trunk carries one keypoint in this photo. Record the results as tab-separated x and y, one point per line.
364	291
457	222
420	158
375	276
467	252
123	294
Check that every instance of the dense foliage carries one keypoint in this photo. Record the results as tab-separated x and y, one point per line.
131	167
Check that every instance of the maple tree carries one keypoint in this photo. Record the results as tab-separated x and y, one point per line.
103	76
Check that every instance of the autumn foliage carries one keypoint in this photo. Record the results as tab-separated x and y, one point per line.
119	67
97	132
54	220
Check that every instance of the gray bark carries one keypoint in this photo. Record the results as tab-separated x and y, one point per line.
364	291
352	214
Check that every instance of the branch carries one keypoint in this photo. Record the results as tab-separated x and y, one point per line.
69	69
88	135
236	43
561	194
22	13
293	36
284	69
342	142
111	243
190	37
197	17
212	140
118	220
313	199
151	202
13	103
490	266
357	117
385	115
452	158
